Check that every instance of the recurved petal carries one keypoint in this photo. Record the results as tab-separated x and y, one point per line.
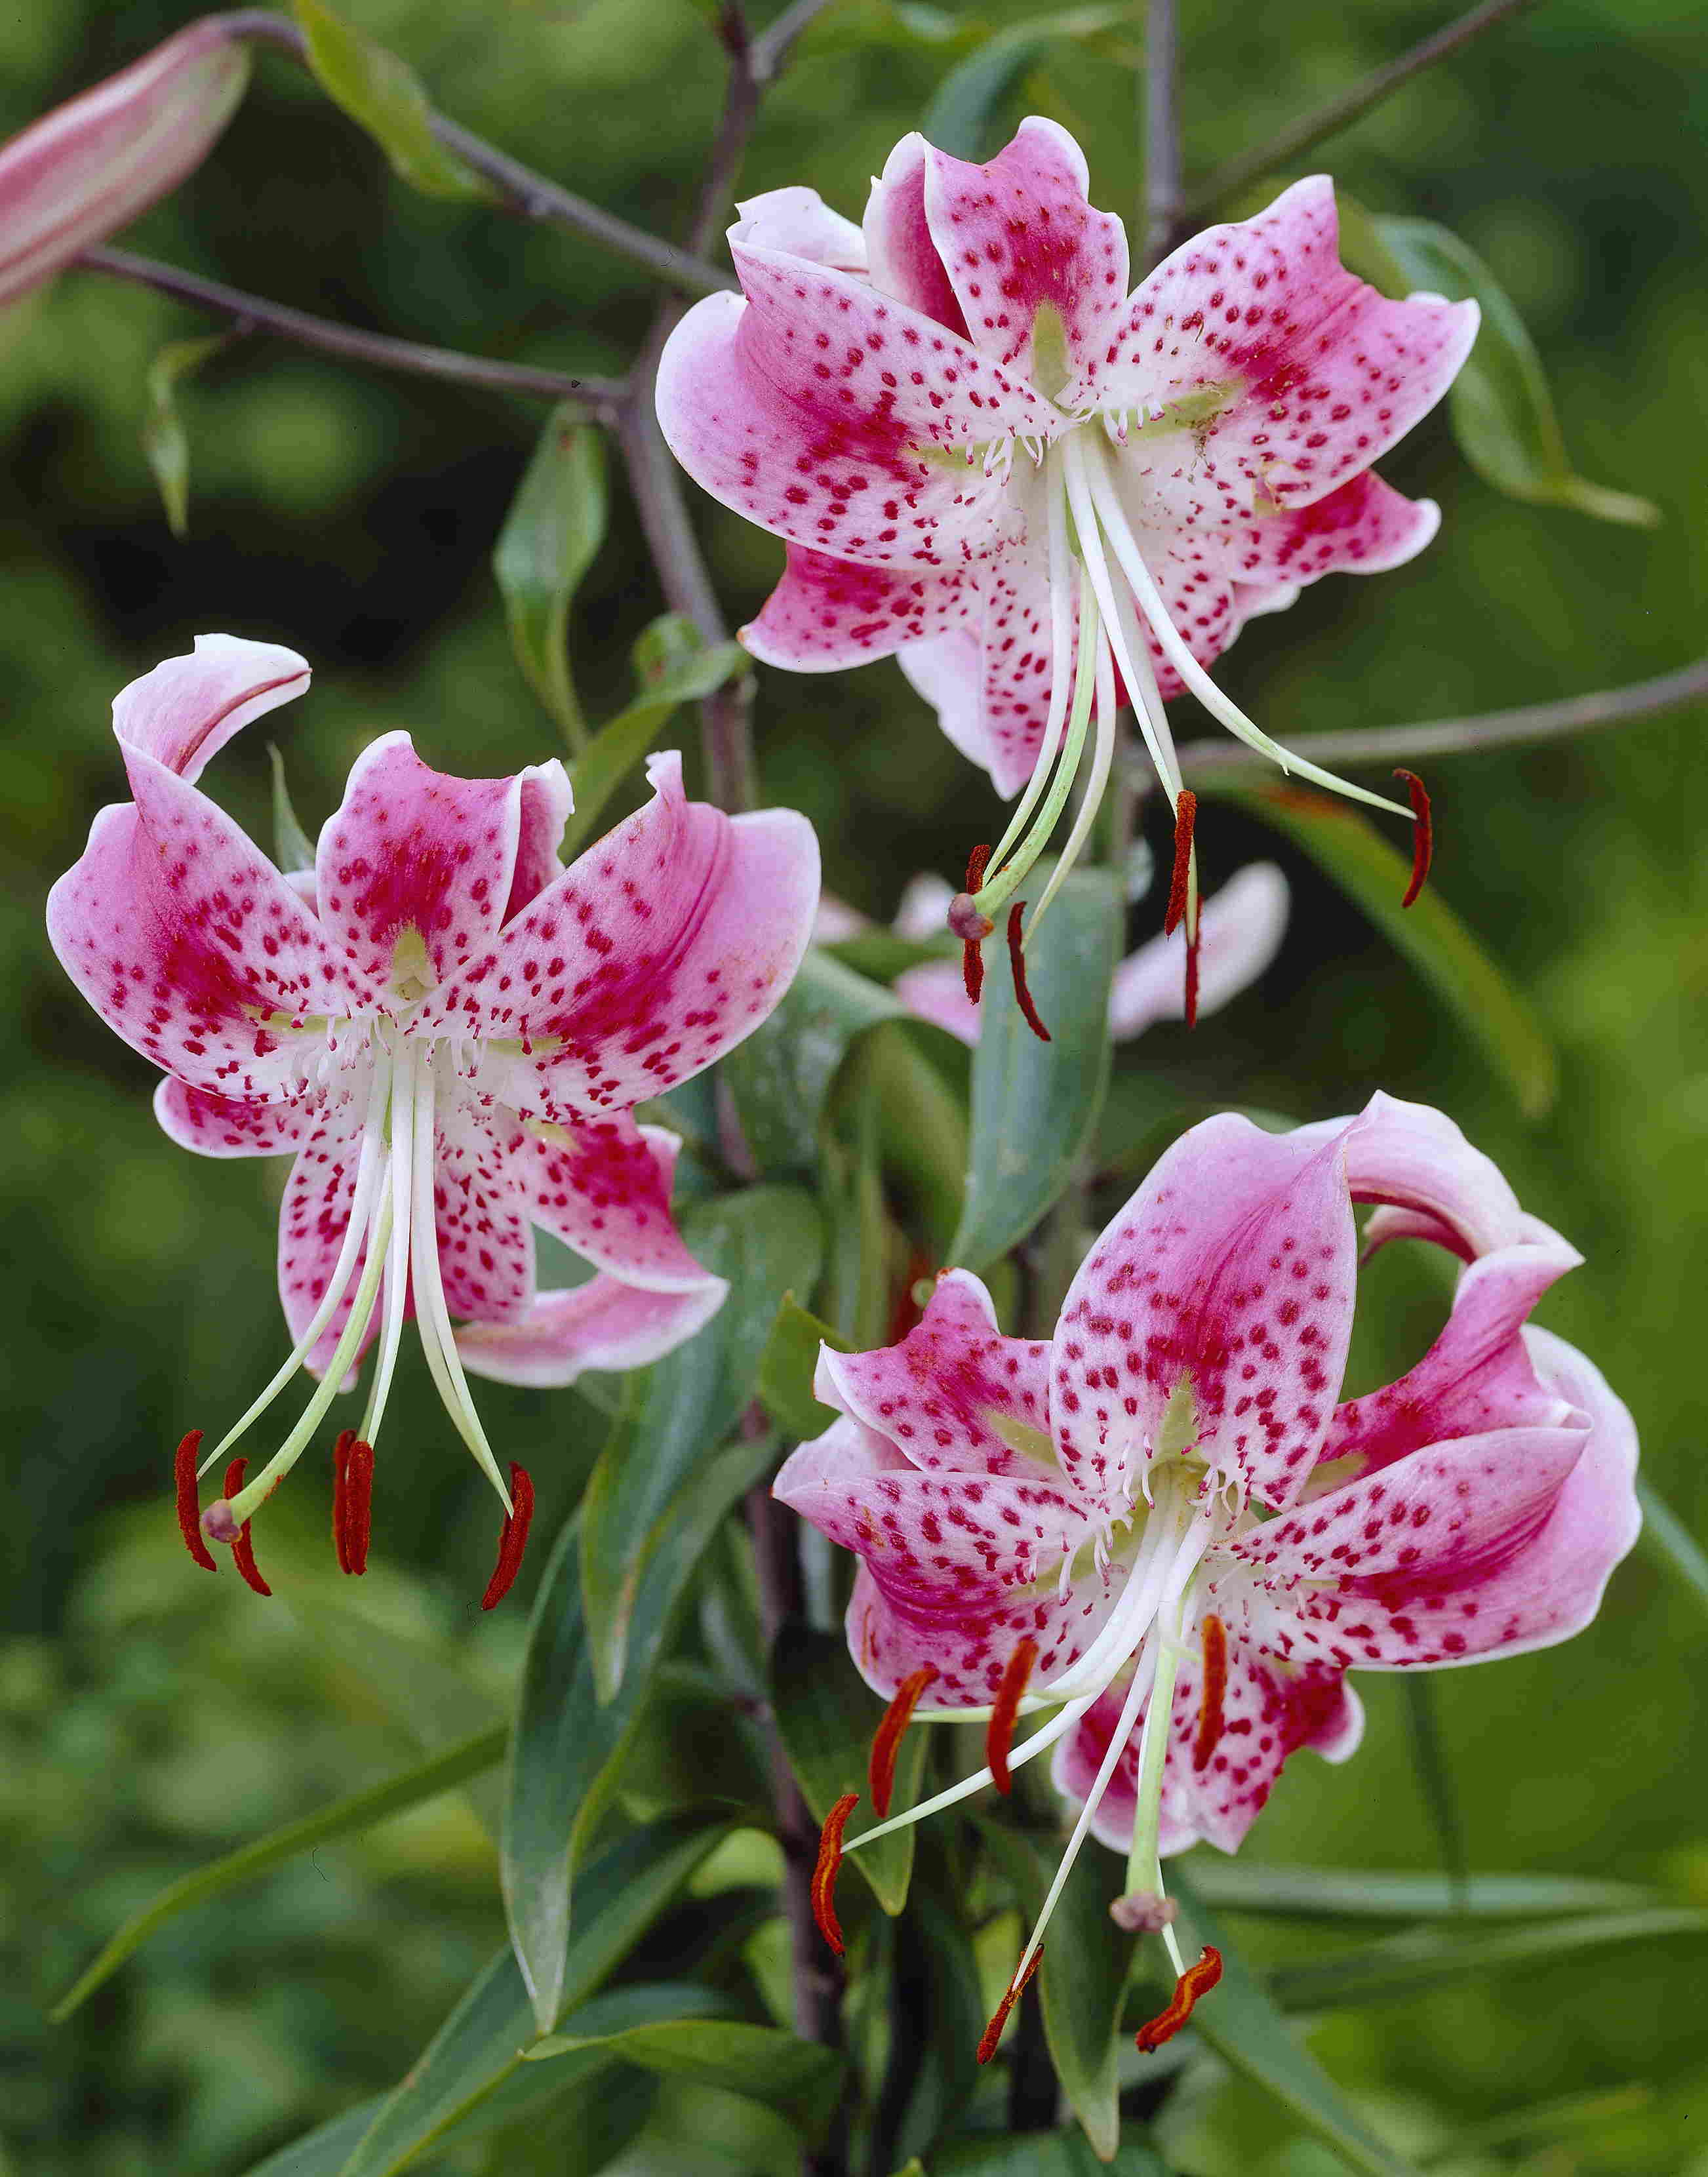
1269	1709
312	1220
232	1126
603	1188
799	222
1018	237
1362	527
902	256
1241	928
187	709
481	1211
655	952
1430	1183
546	804
825	613
1453	1553
1297	374
604	1323
954	1394
1232	1268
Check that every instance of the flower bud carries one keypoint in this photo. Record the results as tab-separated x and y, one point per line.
91	166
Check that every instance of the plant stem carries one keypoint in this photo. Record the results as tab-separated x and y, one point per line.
1237	174
598	397
1162	185
1493	729
520	189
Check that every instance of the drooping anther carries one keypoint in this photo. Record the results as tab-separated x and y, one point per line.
358	1506
993	2032
1004	1709
1215	1686
971	927
825	1874
340	1484
1422	833
1191	972
1017	962
1142	1913
242	1549
513	1540
189	1504
1180	882
1195	1980
887	1740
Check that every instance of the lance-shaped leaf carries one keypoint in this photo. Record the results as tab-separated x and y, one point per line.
292	848
799	2079
672	667
567	1746
766	1241
1321	1893
781	1074
787	1367
550	537
1242	2023
1034	1104
1371	873
324	2151
345	1817
383	95
164	444
473	2063
937	2012
826	1716
1502	412
1671	1543
971	99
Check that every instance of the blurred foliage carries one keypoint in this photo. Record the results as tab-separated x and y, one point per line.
149	1723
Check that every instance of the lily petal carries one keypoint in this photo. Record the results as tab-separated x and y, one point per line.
314	1218
797	222
232	1126
546	806
481	1212
603	1188
1430	1182
904	258
1232	1268
825	613
604	1323
185	710
1241	928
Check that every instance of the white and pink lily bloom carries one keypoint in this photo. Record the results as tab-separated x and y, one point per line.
1241	932
446	1030
92	164
1038	490
1160	1522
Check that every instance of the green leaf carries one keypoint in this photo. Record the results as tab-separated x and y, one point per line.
672	673
1671	1542
165	446
921	1127
1413	1964
581	2131
1240	2021
567	1747
1434	1776
292	848
1038	2154
473	2062
1502	412
938	2014
550	537
1314	1893
323	2152
781	1074
826	1716
383	95
787	1367
1355	855
345	1817
766	1241
800	2080
1082	1982
970	100
1034	1104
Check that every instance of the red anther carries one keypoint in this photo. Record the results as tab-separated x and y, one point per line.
1191	972
825	1874
1017	961
1195	1980
189	1503
972	969
513	1540
999	1733
1210	1718
971	927
1179	885
887	1740
976	863
1422	833
340	1484
993	2032
358	1507
242	1549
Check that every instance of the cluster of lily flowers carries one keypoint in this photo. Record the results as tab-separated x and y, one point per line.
1050	498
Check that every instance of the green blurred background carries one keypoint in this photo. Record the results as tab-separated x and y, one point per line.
148	1721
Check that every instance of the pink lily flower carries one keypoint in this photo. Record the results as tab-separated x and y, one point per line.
1242	929
446	1030
1042	493
92	164
1160	1524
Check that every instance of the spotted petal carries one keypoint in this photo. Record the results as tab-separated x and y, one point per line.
603	1188
989	679
604	1323
904	258
828	613
232	1126
312	1220
1429	1182
1232	1267
481	1210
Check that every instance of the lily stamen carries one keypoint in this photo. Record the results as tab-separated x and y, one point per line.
189	1506
886	1741
512	1538
1422	833
999	2018
1197	1980
999	1733
1215	1680
824	1874
242	1549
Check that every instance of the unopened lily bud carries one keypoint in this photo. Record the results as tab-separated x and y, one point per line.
1142	1913
89	167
